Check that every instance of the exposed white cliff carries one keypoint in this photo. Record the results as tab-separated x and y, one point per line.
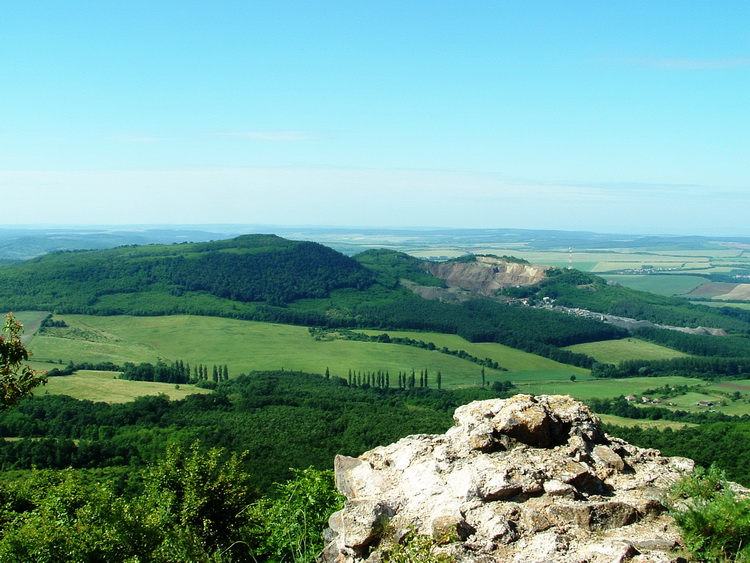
526	479
486	274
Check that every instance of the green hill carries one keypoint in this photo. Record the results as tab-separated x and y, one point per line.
269	278
247	269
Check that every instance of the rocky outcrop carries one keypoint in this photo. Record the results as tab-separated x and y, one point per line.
486	274
526	479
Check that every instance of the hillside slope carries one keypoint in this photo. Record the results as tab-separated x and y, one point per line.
251	268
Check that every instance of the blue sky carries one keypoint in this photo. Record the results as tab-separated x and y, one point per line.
606	116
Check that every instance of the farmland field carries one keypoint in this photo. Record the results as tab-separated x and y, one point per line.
711	290
661	284
616	351
660	424
245	346
741	292
104	386
603	388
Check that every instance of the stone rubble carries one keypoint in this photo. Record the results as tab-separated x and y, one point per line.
525	479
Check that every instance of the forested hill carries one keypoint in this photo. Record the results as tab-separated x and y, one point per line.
269	278
250	268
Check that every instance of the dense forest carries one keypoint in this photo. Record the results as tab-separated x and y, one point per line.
282	419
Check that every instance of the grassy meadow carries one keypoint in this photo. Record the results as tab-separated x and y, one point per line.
246	346
660	424
616	351
104	386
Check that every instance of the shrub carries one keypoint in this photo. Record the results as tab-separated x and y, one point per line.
714	520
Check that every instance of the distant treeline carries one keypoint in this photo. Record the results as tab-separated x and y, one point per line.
621	407
712	357
161	372
484	320
697	344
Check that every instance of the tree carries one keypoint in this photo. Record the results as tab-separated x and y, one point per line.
17	380
197	498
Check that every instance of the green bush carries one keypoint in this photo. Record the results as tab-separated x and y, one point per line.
715	522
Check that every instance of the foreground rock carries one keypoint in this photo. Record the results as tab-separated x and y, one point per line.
526	479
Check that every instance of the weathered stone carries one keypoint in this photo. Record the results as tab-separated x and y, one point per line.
611	551
556	488
604	455
522	479
361	522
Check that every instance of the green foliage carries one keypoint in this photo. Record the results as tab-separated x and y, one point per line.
196	505
697	344
573	288
61	516
702	367
288	525
156	279
196	498
714	521
283	419
416	548
17	379
390	267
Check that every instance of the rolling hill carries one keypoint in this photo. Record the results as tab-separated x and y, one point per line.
269	278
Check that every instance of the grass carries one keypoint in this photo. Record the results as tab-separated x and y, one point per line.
602	388
515	361
616	351
104	386
628	422
31	321
244	346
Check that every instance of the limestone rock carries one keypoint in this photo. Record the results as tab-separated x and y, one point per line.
521	479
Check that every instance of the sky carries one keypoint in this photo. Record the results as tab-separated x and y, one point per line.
629	117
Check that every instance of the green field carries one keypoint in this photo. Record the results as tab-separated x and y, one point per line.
104	386
660	424
616	351
521	366
246	346
603	388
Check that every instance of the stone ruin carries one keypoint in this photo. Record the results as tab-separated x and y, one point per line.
525	479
